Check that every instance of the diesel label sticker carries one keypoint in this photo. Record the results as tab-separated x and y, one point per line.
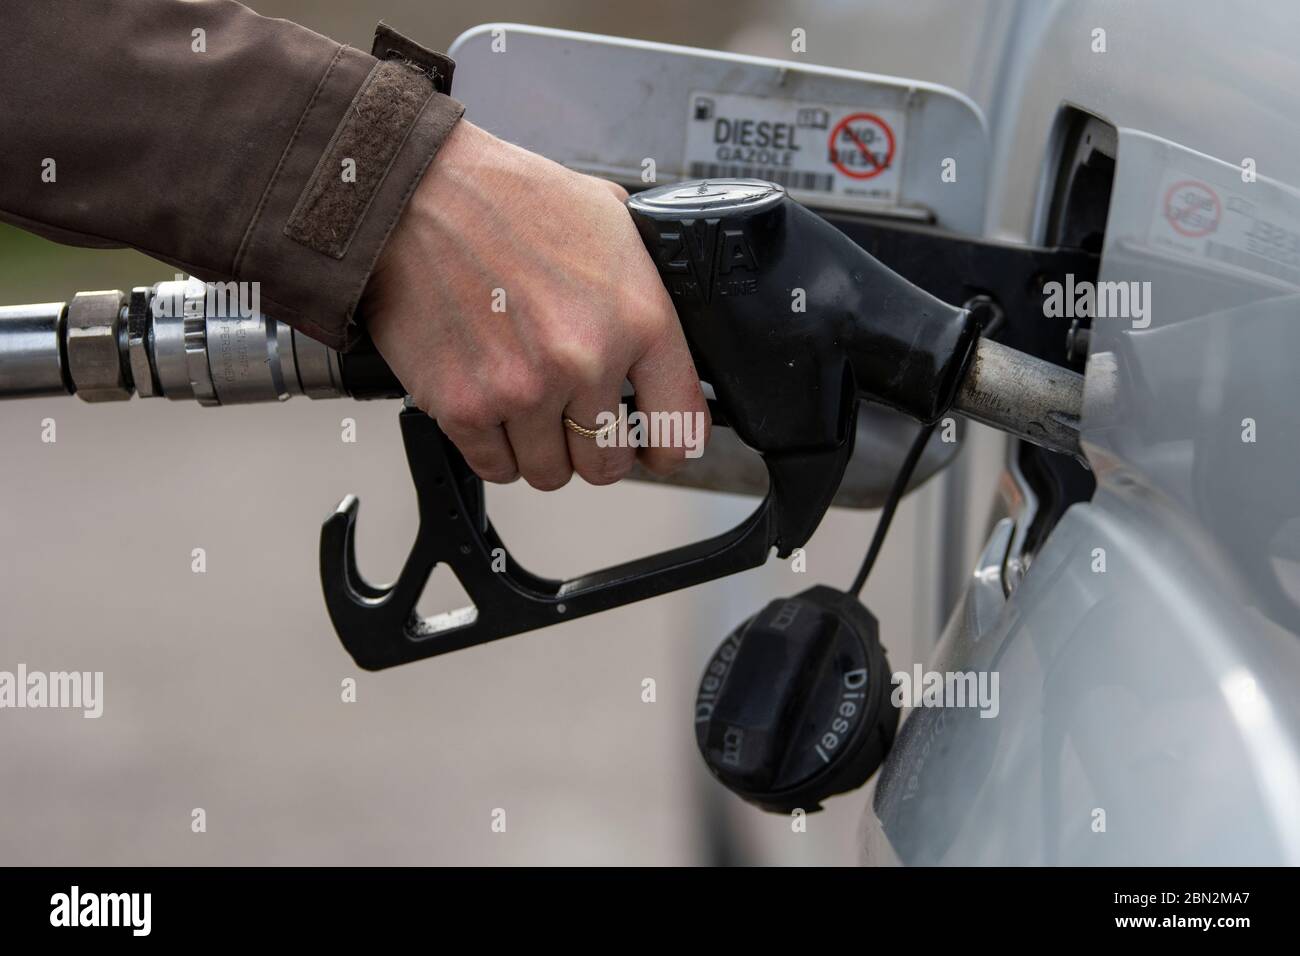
839	151
1198	218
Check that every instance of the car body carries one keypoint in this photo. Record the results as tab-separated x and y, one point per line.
1149	653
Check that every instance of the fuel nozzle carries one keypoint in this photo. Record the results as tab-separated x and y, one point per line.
792	322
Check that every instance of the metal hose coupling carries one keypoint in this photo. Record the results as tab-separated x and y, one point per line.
182	339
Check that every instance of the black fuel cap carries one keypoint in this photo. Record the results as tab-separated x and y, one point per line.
795	705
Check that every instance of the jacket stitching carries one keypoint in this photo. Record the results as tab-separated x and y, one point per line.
284	156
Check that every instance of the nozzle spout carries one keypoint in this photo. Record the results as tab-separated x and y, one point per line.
1023	396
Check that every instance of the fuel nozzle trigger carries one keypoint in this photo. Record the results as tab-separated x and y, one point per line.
380	627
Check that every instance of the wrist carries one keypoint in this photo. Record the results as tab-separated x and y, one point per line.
446	172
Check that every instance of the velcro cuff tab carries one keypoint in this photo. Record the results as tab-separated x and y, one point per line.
391	45
359	156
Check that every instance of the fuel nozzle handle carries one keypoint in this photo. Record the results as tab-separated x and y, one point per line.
792	322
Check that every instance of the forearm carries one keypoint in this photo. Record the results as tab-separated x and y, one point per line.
226	152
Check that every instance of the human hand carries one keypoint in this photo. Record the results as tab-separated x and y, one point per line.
514	292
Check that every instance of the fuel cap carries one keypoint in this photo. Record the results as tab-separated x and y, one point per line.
795	705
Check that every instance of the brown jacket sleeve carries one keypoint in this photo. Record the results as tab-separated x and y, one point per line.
232	146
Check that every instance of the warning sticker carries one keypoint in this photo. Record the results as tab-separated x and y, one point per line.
814	148
1193	217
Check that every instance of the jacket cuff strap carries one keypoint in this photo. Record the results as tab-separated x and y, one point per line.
365	168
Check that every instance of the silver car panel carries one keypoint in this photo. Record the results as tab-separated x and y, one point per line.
1149	658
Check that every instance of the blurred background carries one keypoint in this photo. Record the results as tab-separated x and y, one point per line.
223	689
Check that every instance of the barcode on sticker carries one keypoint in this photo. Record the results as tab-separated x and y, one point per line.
1251	261
791	179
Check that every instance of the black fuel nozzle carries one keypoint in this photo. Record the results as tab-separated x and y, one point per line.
792	322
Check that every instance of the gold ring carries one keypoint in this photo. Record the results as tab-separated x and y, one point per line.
577	429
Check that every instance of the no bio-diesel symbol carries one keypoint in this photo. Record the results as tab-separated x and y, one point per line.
1192	209
861	146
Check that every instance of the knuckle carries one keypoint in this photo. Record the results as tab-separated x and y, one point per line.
607	469
551	479
648	324
496	466
663	461
521	391
497	474
466	414
577	364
